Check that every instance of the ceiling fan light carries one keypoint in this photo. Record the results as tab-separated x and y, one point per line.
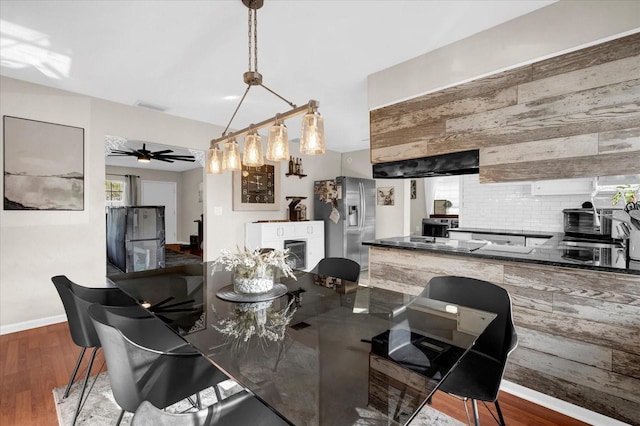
253	150
214	161
312	138
278	143
144	159
231	156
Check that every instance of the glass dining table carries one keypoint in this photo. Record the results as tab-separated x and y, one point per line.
322	351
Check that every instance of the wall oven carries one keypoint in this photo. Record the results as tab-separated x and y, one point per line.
438	227
297	253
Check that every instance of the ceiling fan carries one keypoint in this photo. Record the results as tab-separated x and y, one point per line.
144	155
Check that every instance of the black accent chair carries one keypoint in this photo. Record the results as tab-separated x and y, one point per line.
76	299
148	361
339	267
480	371
239	409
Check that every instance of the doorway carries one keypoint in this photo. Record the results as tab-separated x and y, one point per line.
156	193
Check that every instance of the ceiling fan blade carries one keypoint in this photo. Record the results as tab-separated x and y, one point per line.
163	159
164	151
119	151
121	155
179	158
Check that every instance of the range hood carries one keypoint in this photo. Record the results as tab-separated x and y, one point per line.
458	163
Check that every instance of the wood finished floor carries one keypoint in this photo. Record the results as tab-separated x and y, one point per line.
35	361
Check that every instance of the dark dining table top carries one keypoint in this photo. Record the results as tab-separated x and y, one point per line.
329	352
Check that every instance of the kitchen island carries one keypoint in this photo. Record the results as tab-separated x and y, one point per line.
578	323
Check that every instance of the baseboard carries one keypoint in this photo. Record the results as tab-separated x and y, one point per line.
26	325
559	405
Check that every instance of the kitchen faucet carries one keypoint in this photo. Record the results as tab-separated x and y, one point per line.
596	217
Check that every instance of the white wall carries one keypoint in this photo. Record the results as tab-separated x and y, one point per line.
511	206
190	207
36	245
418	208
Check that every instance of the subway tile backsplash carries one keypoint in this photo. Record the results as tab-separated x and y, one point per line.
511	206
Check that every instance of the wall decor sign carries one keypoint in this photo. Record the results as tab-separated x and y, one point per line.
257	188
386	196
413	191
43	165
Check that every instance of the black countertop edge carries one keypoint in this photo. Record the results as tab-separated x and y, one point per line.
512	257
532	234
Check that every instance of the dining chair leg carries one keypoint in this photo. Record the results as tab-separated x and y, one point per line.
502	423
84	386
474	406
198	401
75	371
120	417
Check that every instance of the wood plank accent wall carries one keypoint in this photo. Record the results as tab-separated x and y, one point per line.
574	115
578	330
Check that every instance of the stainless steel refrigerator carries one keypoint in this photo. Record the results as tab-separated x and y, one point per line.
347	207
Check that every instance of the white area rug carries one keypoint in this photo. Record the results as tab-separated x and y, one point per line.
101	409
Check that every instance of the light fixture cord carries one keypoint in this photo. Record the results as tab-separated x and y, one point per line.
252	20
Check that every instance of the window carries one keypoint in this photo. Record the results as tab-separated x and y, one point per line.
448	188
114	193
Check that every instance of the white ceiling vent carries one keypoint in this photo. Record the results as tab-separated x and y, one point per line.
151	106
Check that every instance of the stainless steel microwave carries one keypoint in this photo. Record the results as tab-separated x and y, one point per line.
582	223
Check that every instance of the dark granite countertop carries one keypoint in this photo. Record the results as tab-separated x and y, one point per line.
552	253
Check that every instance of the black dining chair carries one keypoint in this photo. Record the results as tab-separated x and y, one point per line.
76	299
339	267
239	409
148	361
479	373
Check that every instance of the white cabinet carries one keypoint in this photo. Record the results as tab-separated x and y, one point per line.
274	235
562	187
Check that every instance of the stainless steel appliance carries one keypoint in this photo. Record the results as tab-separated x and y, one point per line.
584	223
434	227
347	207
594	237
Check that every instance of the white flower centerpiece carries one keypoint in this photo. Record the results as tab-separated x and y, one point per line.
254	271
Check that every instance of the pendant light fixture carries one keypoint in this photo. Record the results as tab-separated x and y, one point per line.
312	140
214	161
278	142
253	150
231	156
312	137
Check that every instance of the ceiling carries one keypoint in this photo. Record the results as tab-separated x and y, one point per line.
189	56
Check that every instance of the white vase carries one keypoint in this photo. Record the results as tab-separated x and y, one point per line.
254	280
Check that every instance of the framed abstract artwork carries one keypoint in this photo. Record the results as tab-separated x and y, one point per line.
43	165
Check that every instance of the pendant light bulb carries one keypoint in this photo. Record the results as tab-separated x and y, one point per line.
231	156
312	137
253	150
278	142
214	161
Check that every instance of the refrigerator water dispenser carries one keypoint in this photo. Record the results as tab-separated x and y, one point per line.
353	215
